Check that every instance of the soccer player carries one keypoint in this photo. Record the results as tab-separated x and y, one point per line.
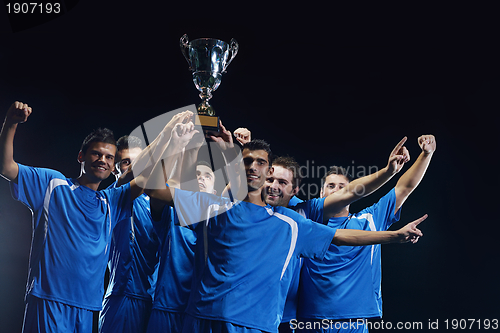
72	224
285	181
346	284
283	185
240	262
176	262
133	258
178	244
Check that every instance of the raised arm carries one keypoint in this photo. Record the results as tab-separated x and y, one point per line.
144	162
364	186
17	113
412	177
243	135
155	187
236	187
409	233
188	179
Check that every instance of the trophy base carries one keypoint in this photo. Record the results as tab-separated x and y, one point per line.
209	124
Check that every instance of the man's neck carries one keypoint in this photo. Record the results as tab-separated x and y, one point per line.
255	197
88	183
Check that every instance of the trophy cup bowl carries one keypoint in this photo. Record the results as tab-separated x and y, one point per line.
208	59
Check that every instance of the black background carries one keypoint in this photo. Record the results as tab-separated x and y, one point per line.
323	83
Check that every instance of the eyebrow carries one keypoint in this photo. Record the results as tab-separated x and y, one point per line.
93	151
331	183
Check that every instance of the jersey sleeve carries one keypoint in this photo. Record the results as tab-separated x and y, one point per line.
311	209
194	207
312	239
32	185
162	226
383	211
120	202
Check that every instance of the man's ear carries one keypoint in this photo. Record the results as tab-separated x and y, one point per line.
80	157
115	171
270	171
295	190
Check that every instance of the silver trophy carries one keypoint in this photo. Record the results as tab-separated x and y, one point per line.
208	58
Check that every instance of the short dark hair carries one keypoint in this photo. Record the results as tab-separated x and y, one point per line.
205	163
99	135
258	144
337	170
128	142
290	164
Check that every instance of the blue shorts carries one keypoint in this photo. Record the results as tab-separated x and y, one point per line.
165	321
199	325
41	315
330	326
124	314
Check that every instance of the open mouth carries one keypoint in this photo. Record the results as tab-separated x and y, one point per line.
252	177
99	167
273	196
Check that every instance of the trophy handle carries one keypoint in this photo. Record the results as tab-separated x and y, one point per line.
234	46
184	43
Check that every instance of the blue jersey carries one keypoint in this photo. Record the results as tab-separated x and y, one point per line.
242	253
346	283
134	254
176	264
313	210
72	227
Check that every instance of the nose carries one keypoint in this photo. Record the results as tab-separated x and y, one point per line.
274	186
251	166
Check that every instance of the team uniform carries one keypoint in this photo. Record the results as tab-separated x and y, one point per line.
310	209
242	253
346	285
72	227
132	264
174	275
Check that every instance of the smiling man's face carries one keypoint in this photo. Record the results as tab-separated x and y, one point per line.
98	161
279	187
256	167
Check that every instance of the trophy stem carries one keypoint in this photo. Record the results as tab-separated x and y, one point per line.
205	108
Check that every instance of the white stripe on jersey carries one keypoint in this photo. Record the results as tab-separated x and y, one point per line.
46	200
371	224
293	241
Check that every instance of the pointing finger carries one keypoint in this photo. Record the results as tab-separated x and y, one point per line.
420	220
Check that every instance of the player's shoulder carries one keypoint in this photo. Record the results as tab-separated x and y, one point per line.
307	204
291	213
50	173
387	200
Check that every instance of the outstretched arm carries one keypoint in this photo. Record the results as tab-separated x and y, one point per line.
411	178
364	186
409	233
17	113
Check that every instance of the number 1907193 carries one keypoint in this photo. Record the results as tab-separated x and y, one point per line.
33	8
